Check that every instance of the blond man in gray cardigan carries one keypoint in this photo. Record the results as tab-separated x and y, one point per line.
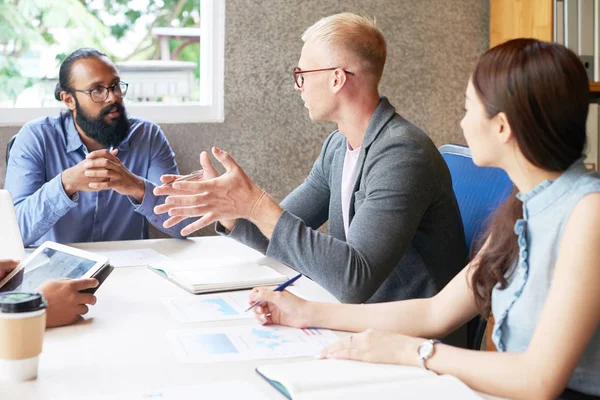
394	226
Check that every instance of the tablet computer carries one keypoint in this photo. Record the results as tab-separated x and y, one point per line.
54	261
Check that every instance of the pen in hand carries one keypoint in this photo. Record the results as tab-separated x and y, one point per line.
192	175
279	288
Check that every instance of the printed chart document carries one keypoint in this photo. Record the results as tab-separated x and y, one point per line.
134	258
355	380
209	307
220	390
254	342
217	274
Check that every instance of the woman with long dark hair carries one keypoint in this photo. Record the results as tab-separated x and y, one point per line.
538	270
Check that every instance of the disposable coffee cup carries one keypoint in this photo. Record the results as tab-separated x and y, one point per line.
22	325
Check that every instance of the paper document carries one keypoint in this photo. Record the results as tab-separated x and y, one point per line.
211	307
240	343
134	258
220	390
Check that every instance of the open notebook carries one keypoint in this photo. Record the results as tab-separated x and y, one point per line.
217	274
353	380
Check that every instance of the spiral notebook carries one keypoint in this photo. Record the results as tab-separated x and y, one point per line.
218	274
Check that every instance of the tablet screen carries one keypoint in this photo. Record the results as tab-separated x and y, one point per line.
48	264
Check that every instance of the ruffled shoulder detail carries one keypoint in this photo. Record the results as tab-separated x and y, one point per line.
516	280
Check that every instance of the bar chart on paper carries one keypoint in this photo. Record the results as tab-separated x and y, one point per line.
210	307
247	343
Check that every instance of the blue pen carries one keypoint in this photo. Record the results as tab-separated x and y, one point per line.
279	288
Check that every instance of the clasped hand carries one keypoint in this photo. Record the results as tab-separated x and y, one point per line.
102	170
212	197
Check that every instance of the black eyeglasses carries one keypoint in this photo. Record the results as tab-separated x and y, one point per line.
299	79
99	94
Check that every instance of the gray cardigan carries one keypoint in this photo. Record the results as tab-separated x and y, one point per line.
405	238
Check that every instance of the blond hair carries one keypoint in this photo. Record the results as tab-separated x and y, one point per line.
354	33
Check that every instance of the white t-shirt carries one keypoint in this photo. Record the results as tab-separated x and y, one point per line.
348	175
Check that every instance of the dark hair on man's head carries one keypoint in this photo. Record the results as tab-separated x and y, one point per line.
64	74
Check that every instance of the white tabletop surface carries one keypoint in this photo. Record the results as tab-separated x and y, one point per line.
121	345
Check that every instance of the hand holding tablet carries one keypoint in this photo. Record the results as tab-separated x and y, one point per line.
66	302
7	266
55	261
62	273
67	277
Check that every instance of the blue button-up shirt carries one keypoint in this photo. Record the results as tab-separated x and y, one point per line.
46	147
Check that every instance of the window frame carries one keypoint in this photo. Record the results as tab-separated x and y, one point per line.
209	108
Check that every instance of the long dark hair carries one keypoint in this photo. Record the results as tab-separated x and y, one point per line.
64	74
543	90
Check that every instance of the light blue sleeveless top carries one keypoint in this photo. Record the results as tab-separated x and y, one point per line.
517	308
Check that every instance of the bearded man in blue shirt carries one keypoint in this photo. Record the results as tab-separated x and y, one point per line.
88	174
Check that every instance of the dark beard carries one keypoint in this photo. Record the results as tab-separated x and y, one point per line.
111	134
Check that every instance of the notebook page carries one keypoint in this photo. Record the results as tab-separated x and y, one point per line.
434	388
200	263
247	274
314	375
168	266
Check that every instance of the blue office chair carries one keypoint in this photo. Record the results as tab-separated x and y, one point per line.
479	191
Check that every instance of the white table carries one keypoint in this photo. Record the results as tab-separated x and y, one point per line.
121	345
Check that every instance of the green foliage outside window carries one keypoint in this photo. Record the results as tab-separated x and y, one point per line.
25	24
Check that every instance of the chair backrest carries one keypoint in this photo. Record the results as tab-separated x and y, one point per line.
479	190
9	146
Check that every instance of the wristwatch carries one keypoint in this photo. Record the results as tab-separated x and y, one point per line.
425	351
